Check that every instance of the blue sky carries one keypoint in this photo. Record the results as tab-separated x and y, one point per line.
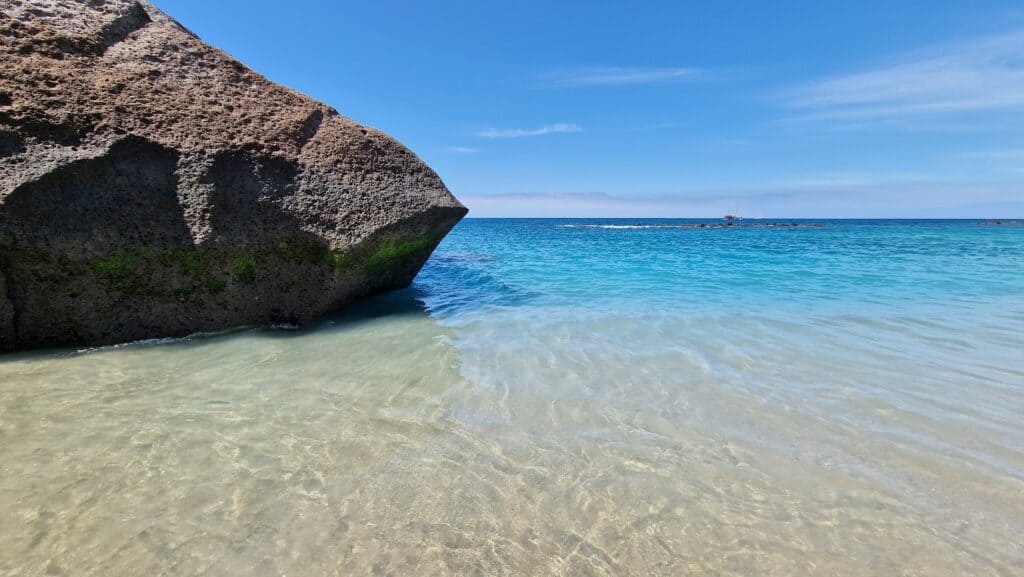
773	109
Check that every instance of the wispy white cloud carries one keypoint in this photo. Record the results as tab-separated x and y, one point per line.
994	161
851	181
520	132
1006	154
610	76
981	75
826	196
462	149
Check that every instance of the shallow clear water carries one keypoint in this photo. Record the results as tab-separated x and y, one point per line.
559	398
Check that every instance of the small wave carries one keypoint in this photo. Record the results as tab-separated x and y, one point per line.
462	257
696	225
157	341
642	226
617	226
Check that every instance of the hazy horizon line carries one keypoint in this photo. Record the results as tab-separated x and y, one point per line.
989	218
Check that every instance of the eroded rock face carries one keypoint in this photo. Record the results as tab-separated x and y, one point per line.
151	185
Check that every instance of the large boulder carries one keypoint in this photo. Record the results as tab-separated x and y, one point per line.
151	185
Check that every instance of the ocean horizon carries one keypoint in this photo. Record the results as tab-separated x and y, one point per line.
560	396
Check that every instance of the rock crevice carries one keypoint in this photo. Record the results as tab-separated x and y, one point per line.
117	30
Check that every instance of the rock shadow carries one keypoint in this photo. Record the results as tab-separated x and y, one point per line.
95	206
244	203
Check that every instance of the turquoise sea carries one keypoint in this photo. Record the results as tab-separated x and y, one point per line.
559	397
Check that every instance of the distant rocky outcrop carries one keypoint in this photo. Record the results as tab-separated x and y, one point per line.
151	185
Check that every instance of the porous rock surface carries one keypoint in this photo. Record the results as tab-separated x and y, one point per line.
151	185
